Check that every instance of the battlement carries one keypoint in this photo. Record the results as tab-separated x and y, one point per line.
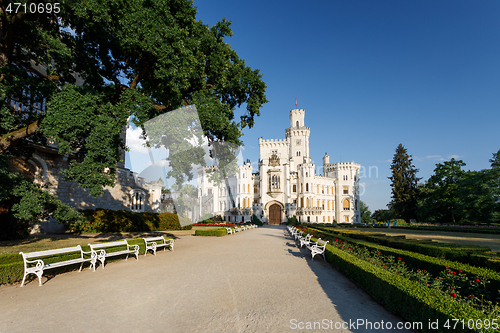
297	111
345	165
275	142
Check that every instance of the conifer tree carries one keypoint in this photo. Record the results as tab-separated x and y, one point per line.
404	184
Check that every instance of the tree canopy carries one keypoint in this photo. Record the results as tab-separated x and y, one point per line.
76	77
404	184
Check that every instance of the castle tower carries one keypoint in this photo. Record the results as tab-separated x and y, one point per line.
298	136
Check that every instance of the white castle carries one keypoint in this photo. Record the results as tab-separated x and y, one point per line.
286	184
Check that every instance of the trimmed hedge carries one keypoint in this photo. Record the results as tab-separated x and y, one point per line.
211	232
12	267
431	264
106	220
467	254
392	290
480	230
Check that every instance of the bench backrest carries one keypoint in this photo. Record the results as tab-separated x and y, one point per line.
110	244
152	239
45	253
323	242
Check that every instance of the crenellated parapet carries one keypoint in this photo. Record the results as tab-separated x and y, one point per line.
269	143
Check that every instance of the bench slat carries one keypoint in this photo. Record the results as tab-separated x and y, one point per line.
45	253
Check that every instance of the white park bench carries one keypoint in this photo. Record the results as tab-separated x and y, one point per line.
98	249
318	248
229	231
152	243
37	266
305	240
298	234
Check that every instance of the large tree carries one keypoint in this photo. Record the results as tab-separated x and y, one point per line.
440	198
404	184
75	77
365	213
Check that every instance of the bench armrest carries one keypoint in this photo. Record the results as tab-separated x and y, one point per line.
135	246
39	263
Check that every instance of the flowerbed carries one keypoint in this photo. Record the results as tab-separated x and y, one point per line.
458	285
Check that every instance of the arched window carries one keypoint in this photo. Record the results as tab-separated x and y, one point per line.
244	203
138	201
297	124
307	187
301	202
307	174
346	204
248	187
298	153
307	202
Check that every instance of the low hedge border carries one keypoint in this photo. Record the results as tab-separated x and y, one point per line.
211	232
12	266
471	255
421	304
493	230
431	264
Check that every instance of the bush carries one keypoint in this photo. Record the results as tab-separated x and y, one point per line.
105	221
292	221
256	220
392	290
211	232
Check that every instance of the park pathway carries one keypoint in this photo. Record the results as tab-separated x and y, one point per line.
254	281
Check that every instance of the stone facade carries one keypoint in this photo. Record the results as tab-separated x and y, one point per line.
129	193
286	184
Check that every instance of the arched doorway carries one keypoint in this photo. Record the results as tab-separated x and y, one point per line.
275	214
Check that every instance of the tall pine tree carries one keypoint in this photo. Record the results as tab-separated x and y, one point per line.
404	184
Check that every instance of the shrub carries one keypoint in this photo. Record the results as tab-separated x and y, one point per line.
105	220
292	220
212	232
256	220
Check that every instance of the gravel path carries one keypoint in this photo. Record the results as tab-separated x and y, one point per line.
254	281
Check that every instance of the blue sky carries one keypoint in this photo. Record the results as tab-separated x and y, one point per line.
371	75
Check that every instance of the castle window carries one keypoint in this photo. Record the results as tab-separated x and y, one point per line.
297	124
138	201
346	190
307	187
209	191
294	188
327	190
346	218
317	203
301	202
298	153
255	189
307	174
317	188
323	219
346	204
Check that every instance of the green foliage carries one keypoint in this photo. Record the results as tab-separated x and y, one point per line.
404	184
452	195
495	160
384	215
256	220
292	220
122	60
105	220
211	232
365	213
391	290
27	203
440	201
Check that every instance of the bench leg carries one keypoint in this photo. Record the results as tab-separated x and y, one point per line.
24	278
39	274
81	265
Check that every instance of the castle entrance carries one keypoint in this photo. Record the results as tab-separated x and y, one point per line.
275	214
